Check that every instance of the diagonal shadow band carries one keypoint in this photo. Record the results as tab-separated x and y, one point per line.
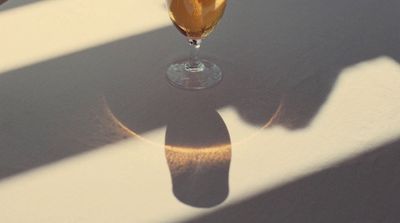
363	189
14	4
52	110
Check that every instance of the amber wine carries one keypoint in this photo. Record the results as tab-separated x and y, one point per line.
196	18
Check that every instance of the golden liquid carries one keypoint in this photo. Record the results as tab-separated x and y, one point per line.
196	18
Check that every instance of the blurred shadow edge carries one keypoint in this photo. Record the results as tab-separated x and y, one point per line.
11	4
64	94
362	189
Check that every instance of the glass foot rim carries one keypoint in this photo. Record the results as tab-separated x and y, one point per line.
178	76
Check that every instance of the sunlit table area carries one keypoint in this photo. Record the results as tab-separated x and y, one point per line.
303	128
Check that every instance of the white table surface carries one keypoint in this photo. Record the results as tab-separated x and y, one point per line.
305	126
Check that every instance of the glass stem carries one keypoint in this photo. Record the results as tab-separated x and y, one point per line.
194	64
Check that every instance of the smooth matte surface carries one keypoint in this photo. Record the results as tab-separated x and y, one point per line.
304	127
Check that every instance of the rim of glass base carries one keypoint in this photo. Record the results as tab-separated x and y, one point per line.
180	77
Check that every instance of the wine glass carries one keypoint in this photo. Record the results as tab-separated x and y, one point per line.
195	19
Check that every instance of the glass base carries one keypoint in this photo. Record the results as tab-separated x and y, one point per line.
205	75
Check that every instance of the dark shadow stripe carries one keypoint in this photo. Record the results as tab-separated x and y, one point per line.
10	4
365	189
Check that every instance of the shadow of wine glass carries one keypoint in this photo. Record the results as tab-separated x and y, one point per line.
198	153
300	51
